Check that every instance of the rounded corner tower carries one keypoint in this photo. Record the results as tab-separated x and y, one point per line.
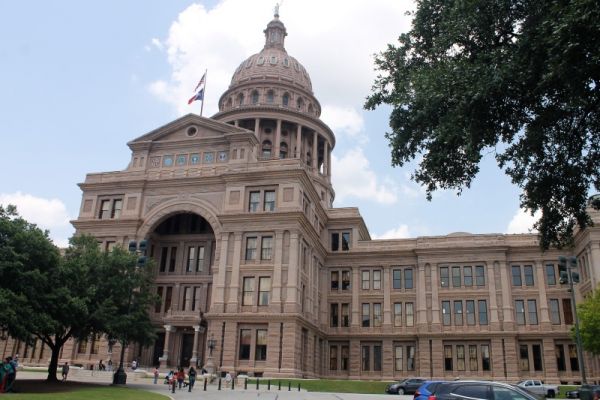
271	94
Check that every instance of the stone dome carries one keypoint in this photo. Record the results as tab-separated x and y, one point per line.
273	61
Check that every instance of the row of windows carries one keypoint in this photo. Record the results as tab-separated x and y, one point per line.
269	98
249	296
192	298
456	356
195	258
462	276
460	308
261	200
531	357
260	344
110	208
371	357
266	247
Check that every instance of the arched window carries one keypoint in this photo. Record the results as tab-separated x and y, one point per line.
310	109
229	103
270	96
254	97
240	99
300	103
285	100
283	150
266	149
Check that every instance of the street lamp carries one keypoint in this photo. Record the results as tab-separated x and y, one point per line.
568	275
120	377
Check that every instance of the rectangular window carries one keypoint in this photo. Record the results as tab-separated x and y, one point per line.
254	201
516	275
251	248
573	358
561	364
410	358
444	277
366	277
260	351
550	275
200	264
567	311
485	358
468	276
376	358
532	312
345	358
376	314
248	291
446	315
168	298
458	312
410	314
473	357
104	209
397	314
345	241
397	278
524	357
554	311
333	358
366	315
164	253
173	259
82	346
528	272
455	276
345	315
269	204
116	209
266	247
335	241
191	259
408	278
377	279
158	305
483	315
448	358
460	357
520	311
398	358
264	290
480	275
245	339
335	280
333	315
470	305
536	351
345	280
366	355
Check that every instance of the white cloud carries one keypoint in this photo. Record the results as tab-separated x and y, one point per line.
335	40
50	214
344	120
354	178
157	43
400	232
522	222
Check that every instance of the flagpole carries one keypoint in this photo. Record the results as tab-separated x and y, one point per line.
205	78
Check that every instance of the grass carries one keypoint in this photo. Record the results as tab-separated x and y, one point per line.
563	389
37	389
325	385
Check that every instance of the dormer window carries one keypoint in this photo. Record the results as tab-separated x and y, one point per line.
266	149
285	100
283	150
300	103
240	99
270	96
255	97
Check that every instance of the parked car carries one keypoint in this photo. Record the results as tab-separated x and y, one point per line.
538	387
426	389
589	392
572	394
406	386
480	390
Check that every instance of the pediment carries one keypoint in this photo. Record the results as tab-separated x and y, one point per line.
190	127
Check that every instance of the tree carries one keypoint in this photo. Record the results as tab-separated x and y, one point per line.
589	323
55	299
520	79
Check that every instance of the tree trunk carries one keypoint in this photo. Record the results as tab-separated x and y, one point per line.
53	367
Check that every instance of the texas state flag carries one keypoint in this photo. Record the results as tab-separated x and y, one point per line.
197	96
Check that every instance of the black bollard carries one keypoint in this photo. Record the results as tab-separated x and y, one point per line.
298	386
205	380
257	383
269	385
279	388
289	386
219	384
232	383
245	383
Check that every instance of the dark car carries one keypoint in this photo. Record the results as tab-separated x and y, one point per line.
426	389
572	394
480	390
589	392
406	386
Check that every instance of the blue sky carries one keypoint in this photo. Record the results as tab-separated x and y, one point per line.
80	79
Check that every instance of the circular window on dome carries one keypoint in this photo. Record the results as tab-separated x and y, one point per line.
273	60
191	131
260	61
286	62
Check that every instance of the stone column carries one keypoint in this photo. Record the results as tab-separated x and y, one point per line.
292	279
276	282
435	299
164	360
491	280
194	358
236	123
257	127
355	301
541	284
277	139
299	142
315	157
325	160
234	284
421	306
329	163
387	291
219	287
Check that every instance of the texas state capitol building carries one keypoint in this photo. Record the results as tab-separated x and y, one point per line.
237	209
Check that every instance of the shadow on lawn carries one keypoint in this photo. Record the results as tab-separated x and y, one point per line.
41	386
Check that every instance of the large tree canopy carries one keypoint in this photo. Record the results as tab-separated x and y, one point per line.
589	323
517	78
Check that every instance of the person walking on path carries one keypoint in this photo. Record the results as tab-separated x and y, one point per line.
10	371
155	375
65	371
192	378
180	377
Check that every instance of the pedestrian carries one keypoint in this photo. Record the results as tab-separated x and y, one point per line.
192	378
101	366
65	371
180	377
155	375
228	379
109	364
134	365
11	372
3	374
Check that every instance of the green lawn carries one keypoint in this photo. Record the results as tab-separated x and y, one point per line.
325	385
563	389
93	393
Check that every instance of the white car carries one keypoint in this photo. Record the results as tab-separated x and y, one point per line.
539	387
